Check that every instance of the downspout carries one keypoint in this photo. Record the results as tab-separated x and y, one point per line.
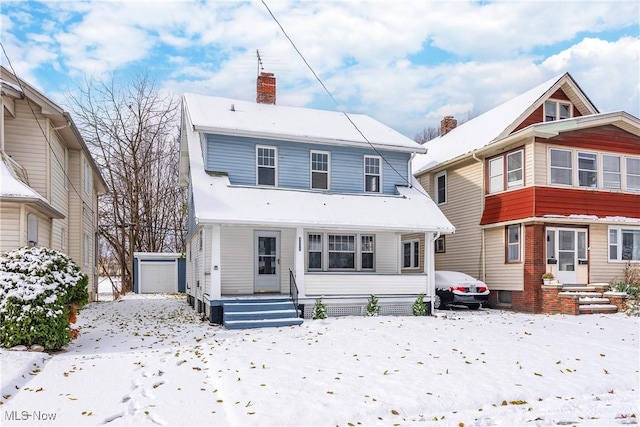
482	200
431	282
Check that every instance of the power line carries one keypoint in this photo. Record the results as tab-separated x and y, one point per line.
420	190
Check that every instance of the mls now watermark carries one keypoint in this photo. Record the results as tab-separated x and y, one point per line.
29	416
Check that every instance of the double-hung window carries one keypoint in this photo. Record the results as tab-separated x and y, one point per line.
411	254
315	251
561	167
624	244
588	170
342	251
441	187
266	165
367	251
513	243
86	176
633	173
555	110
331	252
320	170
372	174
611	174
513	163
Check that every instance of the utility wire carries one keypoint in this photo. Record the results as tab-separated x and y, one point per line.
55	156
420	190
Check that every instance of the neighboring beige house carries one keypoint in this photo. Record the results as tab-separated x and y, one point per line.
49	183
541	183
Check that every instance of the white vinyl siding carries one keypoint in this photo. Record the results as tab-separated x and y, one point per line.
601	270
364	284
464	209
10	227
501	276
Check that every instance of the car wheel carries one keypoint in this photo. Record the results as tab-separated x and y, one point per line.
436	302
474	306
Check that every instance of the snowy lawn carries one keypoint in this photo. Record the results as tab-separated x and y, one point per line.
147	360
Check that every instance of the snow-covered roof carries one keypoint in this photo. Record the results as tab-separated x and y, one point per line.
483	129
216	201
244	118
12	189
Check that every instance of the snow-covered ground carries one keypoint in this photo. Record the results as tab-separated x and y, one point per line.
146	360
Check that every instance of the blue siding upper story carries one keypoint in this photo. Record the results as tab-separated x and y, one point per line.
236	156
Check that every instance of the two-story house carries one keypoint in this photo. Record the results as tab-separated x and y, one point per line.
49	183
301	203
541	183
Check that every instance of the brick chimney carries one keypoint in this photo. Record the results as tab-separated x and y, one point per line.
266	91
447	125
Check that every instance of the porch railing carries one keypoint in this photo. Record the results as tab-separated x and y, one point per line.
293	289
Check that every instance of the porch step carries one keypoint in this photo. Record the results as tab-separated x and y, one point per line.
590	300
597	308
260	313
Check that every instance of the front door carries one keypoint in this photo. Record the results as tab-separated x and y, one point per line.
267	261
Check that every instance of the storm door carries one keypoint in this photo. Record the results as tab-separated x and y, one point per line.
267	261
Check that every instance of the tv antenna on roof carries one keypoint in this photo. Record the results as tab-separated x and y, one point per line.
260	67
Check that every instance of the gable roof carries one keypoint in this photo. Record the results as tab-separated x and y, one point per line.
497	123
215	200
243	118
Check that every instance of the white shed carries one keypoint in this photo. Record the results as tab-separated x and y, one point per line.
157	273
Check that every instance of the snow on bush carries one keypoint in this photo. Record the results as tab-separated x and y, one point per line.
40	290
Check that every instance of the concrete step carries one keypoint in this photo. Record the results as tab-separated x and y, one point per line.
593	300
262	323
582	294
597	308
570	288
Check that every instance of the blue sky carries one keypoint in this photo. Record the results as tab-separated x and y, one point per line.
406	63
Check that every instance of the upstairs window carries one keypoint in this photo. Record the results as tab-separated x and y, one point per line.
372	174
411	254
320	170
633	174
266	165
441	187
611	176
561	167
513	163
556	110
587	170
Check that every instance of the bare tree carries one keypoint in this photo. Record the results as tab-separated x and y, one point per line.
132	131
427	134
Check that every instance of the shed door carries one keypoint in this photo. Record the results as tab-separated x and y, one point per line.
158	277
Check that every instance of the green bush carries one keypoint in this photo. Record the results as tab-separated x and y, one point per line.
40	289
419	308
373	308
319	310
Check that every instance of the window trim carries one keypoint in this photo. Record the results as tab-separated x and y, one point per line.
579	169
365	174
619	243
509	244
274	167
358	251
557	115
414	263
505	184
440	245
312	171
442	174
551	167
